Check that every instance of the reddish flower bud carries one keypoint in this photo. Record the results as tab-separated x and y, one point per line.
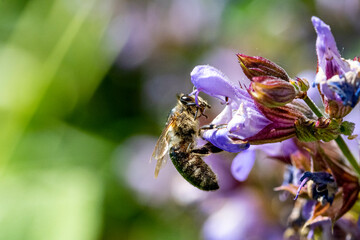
270	84
271	91
259	66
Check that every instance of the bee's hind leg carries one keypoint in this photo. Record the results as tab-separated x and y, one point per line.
212	126
206	149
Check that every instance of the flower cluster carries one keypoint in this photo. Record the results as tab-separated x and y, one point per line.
275	107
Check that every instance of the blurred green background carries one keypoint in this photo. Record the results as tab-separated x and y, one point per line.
85	87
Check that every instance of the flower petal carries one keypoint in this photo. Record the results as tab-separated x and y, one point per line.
212	81
242	164
329	59
247	121
225	116
303	182
346	87
220	138
240	121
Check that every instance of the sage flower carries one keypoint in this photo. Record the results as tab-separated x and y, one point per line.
338	79
243	120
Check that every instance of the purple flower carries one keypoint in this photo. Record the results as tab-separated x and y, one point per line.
338	78
240	118
235	215
243	121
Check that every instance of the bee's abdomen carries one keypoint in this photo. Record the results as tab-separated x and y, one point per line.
193	168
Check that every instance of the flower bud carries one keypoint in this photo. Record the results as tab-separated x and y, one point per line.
270	84
259	66
301	85
271	91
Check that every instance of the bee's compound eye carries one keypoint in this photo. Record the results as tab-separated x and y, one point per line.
185	99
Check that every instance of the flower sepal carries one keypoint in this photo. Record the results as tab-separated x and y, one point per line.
282	124
270	85
325	129
336	109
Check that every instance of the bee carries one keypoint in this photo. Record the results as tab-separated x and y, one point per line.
179	139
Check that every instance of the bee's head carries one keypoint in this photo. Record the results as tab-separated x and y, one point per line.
190	103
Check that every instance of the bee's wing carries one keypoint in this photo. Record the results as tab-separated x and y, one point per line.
162	147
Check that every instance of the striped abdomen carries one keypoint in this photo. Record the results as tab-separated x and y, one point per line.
193	168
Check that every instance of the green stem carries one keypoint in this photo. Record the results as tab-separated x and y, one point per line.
339	140
313	107
346	151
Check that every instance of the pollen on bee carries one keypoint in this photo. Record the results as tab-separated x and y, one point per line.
197	172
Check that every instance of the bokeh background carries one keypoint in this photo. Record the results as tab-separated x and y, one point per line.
85	89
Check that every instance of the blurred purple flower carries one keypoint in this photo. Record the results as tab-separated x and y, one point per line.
138	174
242	164
239	216
338	78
